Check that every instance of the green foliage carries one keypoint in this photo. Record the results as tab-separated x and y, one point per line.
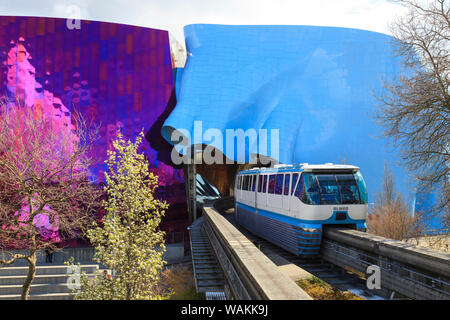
129	242
189	294
320	290
316	281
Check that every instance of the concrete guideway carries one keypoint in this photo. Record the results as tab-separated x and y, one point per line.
249	273
413	271
407	271
298	268
429	259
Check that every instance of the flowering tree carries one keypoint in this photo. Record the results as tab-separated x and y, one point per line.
45	195
129	241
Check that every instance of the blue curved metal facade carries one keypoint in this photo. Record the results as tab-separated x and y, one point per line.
315	85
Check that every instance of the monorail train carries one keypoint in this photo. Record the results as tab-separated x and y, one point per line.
289	205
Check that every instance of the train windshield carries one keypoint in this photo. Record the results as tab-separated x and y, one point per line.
332	188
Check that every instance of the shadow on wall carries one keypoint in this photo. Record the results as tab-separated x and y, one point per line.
154	137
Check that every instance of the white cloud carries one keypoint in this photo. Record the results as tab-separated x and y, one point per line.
173	15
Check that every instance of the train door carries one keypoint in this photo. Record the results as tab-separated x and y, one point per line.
293	201
286	191
239	191
261	196
245	190
275	192
255	192
251	196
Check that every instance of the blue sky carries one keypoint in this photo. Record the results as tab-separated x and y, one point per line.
172	15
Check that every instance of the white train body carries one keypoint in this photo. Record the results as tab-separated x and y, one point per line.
288	205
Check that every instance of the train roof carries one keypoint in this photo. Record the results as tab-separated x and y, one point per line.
303	167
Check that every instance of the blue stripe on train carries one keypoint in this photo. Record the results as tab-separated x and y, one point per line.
290	239
310	238
307	224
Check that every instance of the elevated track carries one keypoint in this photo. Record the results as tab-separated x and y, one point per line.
412	271
406	271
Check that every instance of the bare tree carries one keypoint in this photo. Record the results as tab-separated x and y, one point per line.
45	195
390	216
415	106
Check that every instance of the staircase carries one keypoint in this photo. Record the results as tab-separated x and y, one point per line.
207	271
50	282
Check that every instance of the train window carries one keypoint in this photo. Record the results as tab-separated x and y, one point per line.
348	189
362	188
329	189
254	183
260	183
250	179
300	191
294	181
329	192
279	184
245	183
311	187
287	177
272	180
265	183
